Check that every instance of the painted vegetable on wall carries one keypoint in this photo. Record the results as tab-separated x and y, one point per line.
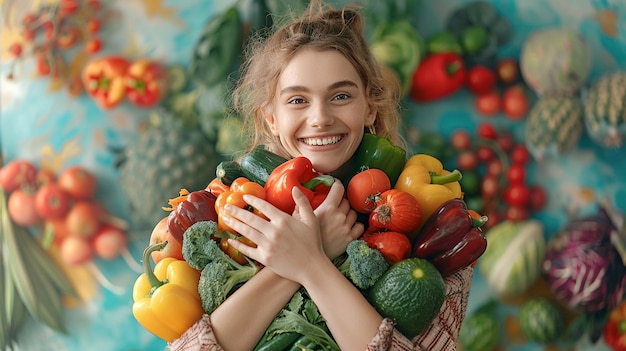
583	268
605	110
555	60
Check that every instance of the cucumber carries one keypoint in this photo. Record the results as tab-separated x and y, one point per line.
258	164
228	171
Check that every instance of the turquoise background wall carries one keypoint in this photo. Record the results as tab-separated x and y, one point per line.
49	126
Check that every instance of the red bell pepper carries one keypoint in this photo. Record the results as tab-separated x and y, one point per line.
297	172
437	76
615	328
451	238
104	80
145	82
188	209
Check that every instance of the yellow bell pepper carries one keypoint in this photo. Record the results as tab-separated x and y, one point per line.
423	177
166	299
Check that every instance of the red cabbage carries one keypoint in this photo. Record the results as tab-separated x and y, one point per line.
583	268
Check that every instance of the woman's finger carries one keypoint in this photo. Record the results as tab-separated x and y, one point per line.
305	211
244	222
335	195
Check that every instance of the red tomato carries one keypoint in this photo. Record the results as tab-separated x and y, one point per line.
485	154
17	173
480	80
488	104
506	141
507	70
58	227
51	201
21	208
467	161
67	37
520	154
16	49
109	242
461	140
538	197
161	233
486	130
396	211
489	187
83	219
394	246
45	176
78	182
93	45
93	25
516	213
516	174
494	167
75	250
515	103
364	188
517	195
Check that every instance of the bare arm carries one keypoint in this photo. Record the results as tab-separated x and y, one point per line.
338	229
292	247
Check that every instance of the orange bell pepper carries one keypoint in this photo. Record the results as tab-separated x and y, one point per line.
234	196
166	299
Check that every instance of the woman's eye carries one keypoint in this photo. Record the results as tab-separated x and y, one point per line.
341	97
296	101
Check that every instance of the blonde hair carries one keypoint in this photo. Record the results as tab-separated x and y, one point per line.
321	27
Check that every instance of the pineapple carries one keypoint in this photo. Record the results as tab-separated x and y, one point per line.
165	158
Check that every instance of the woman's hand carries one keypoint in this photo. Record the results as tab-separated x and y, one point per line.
288	245
337	220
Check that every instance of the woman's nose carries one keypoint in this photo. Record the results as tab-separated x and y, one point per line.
320	116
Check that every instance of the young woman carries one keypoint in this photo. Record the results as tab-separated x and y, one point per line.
313	88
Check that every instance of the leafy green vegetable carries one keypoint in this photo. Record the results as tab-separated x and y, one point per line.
301	315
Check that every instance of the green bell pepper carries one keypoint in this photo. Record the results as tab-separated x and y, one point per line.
374	152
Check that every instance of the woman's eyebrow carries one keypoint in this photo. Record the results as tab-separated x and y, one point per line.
336	85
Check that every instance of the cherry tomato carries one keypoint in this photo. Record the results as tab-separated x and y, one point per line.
83	219
516	213
486	130
466	161
516	174
488	104
16	49
519	154
67	37
17	173
460	140
507	70
78	182
93	45
505	141
364	187
516	195
538	197
480	80
93	25
109	242
515	103
485	154
394	246
51	201
21	208
43	67
494	167
489	187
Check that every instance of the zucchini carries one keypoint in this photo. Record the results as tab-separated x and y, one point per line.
258	164
228	171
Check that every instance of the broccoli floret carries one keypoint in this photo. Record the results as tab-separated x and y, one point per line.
220	273
198	246
363	265
218	278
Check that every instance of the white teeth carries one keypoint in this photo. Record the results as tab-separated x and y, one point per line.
321	141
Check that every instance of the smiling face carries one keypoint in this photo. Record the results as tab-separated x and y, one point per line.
320	109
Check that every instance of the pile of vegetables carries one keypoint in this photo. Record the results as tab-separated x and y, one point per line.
412	209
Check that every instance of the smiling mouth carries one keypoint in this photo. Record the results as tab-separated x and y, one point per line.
322	141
